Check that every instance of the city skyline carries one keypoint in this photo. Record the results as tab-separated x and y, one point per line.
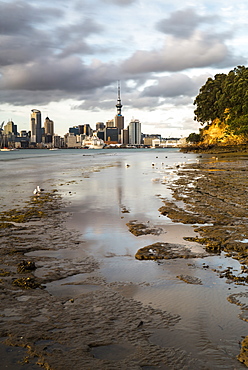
64	59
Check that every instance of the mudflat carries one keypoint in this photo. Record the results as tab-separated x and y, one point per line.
102	328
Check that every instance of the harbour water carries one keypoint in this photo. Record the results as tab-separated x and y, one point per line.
102	194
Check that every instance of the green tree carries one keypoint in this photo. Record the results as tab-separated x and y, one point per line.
193	138
225	97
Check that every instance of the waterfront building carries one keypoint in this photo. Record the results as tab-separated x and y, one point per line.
134	129
74	130
36	131
9	134
110	123
21	142
111	135
23	133
10	128
125	136
100	134
100	126
56	141
72	141
49	127
87	130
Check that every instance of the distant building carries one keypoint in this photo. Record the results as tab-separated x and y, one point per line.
87	130
111	135
100	134
10	128
148	141
24	133
100	126
49	127
57	141
72	141
110	123
9	134
36	131
134	129
125	136
74	130
21	142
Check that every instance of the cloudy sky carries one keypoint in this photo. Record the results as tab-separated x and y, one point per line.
65	58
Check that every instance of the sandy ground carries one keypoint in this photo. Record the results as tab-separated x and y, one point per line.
102	329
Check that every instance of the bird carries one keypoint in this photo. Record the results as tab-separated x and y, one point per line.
127	165
37	190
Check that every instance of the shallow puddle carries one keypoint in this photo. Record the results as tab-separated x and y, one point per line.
71	287
113	352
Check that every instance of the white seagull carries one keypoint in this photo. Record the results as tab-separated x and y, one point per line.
37	190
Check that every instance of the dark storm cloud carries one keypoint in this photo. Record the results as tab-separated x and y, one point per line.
18	17
23	38
67	74
183	23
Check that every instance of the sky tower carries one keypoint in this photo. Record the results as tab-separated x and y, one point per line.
119	119
119	105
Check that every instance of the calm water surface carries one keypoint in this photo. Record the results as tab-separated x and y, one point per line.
98	187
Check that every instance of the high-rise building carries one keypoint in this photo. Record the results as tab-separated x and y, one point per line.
49	127
134	130
74	130
36	131
125	136
111	135
85	129
110	123
100	126
10	128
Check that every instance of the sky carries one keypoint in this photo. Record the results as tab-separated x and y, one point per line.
65	58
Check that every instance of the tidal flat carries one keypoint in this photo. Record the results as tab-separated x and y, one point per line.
73	295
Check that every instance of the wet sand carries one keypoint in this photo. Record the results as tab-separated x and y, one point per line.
86	320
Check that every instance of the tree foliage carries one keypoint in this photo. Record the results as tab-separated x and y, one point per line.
193	138
225	97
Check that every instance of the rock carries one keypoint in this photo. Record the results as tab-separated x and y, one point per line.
243	356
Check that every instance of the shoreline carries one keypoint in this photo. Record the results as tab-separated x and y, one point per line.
101	328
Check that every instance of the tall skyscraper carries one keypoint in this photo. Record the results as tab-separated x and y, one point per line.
10	128
100	126
36	131
49	127
134	129
119	119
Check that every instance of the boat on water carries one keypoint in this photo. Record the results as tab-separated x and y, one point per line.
54	149
8	149
93	142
